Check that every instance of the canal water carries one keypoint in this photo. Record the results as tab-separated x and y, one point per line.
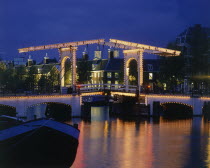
107	142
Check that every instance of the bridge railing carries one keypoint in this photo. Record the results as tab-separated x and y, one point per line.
102	87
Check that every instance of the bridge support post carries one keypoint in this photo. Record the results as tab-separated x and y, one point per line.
21	111
140	69
21	107
197	106
129	55
68	53
206	110
74	69
156	109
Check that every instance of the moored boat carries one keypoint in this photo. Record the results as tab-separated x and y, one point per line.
39	143
9	121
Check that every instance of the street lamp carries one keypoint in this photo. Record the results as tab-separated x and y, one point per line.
192	88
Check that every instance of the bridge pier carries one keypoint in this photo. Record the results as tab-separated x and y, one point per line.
21	109
76	106
197	104
206	110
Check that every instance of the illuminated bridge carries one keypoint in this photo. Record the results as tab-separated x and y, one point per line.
131	51
196	103
22	103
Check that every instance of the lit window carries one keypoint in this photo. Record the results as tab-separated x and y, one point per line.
109	74
97	55
116	74
116	53
150	76
116	83
164	86
39	70
94	66
109	82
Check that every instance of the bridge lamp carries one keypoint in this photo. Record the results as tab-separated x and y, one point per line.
192	85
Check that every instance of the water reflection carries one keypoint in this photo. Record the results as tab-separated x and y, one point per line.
99	113
207	141
107	142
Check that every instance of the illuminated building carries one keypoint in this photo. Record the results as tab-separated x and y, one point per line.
110	71
107	71
151	69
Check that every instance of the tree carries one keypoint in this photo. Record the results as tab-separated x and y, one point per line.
53	78
42	84
199	46
83	71
172	69
32	79
9	80
2	71
20	76
2	66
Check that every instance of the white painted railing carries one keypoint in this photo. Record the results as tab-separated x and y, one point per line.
102	87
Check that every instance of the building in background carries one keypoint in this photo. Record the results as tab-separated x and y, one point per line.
19	61
151	74
111	71
46	75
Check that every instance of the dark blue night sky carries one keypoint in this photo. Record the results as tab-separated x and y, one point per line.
24	23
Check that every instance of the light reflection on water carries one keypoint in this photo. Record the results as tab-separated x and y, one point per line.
115	143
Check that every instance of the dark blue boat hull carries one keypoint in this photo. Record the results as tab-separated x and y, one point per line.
41	147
